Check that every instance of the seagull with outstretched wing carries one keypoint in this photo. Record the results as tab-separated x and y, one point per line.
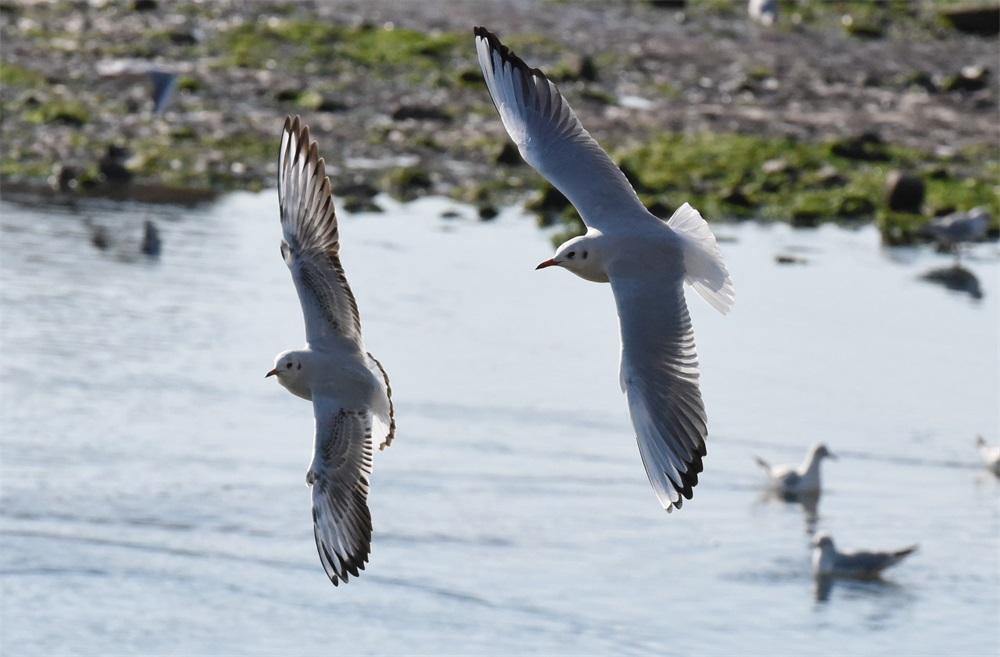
645	260
348	387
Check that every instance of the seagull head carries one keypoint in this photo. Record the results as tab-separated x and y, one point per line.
823	541
820	451
288	369
582	256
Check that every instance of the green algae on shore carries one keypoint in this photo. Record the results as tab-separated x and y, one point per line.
405	98
733	176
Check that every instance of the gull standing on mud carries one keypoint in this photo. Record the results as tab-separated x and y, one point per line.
645	260
951	230
349	389
803	479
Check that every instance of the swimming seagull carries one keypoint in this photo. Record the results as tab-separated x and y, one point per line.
348	387
990	455
803	479
645	260
828	562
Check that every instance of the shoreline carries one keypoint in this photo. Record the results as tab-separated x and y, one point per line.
686	101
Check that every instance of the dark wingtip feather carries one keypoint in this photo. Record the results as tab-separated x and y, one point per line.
506	54
337	568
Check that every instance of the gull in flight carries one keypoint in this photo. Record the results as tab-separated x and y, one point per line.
162	77
644	259
348	387
829	562
803	479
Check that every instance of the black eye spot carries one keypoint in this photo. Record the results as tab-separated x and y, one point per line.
288	365
584	255
571	254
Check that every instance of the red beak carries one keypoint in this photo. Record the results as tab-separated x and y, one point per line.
273	372
547	263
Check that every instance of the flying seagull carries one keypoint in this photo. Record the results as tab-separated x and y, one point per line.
645	260
348	387
162	77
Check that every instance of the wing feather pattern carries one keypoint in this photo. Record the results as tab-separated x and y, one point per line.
659	375
551	138
339	476
384	412
311	243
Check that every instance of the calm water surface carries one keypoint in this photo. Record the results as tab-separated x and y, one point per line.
153	493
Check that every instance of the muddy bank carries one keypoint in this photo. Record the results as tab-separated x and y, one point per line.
393	93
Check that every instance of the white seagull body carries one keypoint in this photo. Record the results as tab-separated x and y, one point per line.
952	229
348	388
829	562
990	455
645	260
764	12
802	479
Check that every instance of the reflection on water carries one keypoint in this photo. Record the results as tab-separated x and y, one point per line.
891	595
956	278
808	501
152	484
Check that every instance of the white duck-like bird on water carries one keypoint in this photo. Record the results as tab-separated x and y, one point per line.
645	260
829	562
348	387
990	455
792	480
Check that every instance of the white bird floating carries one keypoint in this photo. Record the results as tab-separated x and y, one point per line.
990	455
829	562
802	479
348	387
645	260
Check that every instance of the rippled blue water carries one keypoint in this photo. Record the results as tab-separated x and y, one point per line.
153	493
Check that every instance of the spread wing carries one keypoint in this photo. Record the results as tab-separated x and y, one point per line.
552	140
311	241
339	476
659	375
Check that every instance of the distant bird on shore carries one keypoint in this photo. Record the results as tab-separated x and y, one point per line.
802	479
99	235
349	389
123	245
151	243
764	12
951	230
162	77
990	455
646	261
827	561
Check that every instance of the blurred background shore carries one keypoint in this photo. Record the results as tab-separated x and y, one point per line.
806	120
